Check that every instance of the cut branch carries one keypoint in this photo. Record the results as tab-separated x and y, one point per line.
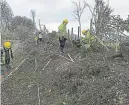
47	64
71	58
65	57
15	69
38	94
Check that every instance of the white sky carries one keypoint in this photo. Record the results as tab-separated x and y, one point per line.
52	12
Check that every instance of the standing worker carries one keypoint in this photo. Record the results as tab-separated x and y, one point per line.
6	55
62	34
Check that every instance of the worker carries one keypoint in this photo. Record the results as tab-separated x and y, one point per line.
36	38
1	63
40	36
88	37
7	54
1	49
62	34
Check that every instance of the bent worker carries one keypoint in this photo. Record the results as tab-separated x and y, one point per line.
40	37
62	34
7	54
89	38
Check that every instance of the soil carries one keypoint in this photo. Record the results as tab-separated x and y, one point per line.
94	80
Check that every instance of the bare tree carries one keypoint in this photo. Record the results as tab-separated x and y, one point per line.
44	29
40	25
78	12
33	14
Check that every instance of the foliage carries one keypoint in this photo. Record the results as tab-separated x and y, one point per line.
6	16
23	32
24	21
126	24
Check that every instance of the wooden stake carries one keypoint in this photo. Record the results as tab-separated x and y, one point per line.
68	33
78	32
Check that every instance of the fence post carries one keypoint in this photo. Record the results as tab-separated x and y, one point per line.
78	32
68	33
91	26
118	16
72	33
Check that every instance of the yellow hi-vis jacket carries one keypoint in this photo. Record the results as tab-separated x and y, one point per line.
89	36
62	30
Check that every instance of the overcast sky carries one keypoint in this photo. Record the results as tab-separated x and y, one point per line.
52	12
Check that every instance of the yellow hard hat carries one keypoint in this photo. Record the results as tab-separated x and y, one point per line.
84	32
65	21
7	44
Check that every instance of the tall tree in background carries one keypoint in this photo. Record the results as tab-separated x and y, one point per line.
22	21
6	16
102	14
78	12
22	27
33	14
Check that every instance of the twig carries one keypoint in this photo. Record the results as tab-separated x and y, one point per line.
39	95
35	65
101	42
70	58
48	56
65	57
16	68
46	64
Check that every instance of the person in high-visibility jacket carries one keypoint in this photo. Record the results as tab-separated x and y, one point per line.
40	36
62	34
7	55
90	38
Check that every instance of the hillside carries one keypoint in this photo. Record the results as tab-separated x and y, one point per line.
47	78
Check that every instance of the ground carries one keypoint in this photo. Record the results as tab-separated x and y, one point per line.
48	78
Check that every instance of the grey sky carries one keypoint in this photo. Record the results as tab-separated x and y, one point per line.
52	12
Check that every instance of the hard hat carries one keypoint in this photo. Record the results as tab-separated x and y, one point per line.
65	21
84	32
7	44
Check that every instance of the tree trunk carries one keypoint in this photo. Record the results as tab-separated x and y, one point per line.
68	33
78	32
80	28
72	33
39	25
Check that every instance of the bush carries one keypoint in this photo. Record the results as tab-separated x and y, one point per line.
76	43
96	47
